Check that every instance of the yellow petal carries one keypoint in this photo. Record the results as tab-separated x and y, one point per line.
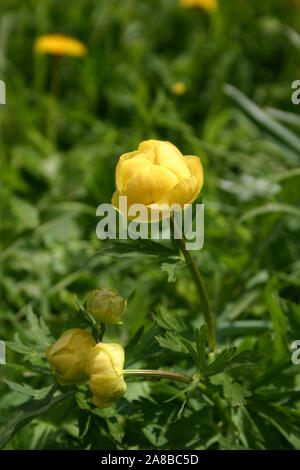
149	184
182	193
195	166
148	144
68	356
115	200
131	167
209	5
61	343
105	369
59	44
122	159
168	156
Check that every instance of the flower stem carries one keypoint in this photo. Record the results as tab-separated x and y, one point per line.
101	331
179	241
159	374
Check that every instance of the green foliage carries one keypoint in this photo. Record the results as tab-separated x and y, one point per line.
55	169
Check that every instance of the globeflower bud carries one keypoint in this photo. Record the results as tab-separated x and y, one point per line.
68	356
106	305
105	369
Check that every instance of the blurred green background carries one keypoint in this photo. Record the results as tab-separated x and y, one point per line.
58	151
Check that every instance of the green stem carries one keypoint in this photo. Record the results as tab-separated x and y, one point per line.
181	244
53	113
101	331
159	374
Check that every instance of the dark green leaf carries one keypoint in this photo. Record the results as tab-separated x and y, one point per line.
25	413
278	319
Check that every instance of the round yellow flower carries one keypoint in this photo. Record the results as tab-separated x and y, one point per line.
208	5
158	176
59	44
106	305
179	88
68	356
105	369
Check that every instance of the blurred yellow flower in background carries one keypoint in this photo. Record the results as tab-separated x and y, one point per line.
105	369
179	88
59	44
68	356
208	5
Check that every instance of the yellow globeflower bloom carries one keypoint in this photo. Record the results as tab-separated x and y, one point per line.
68	356
59	44
105	369
179	88
208	5
158	176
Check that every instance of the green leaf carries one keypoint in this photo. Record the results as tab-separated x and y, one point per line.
243	303
84	422
145	348
293	36
220	363
227	444
26	412
191	349
181	410
18	347
113	421
232	391
115	427
285	420
26	214
268	209
154	434
33	341
166	320
293	312
138	247
228	359
135	340
280	132
25	389
38	330
230	329
171	266
171	341
249	432
235	392
186	390
278	319
85	313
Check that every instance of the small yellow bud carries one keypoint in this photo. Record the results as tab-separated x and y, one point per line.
68	356
105	369
106	305
179	88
